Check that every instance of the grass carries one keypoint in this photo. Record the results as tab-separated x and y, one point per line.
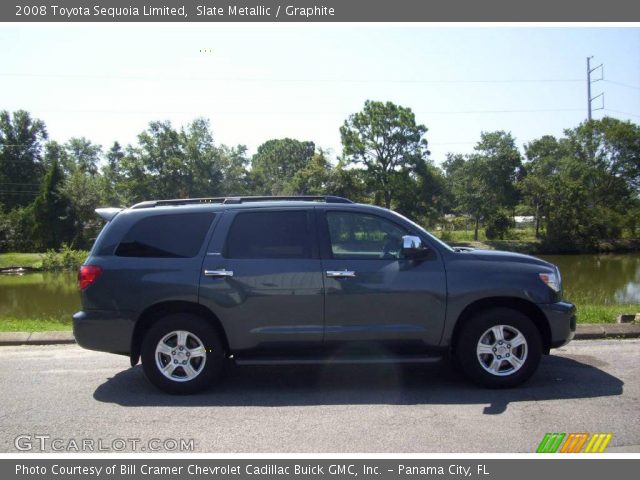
603	313
27	260
33	325
586	314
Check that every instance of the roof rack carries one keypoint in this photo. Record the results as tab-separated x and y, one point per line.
238	200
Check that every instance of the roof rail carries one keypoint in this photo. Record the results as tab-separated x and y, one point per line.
237	200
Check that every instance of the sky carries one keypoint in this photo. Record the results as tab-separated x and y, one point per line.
258	82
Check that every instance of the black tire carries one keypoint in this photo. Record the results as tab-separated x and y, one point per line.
199	331
507	375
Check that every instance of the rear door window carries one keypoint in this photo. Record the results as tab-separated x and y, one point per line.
166	236
271	234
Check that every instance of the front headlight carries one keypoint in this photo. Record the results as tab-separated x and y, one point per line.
552	280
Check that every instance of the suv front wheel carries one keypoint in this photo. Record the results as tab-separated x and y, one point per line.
182	354
499	348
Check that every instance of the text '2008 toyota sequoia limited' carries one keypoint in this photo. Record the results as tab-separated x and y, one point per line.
187	285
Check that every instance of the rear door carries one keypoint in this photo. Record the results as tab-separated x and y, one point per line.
262	277
371	292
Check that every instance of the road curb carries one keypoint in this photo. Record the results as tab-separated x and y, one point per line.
36	338
590	331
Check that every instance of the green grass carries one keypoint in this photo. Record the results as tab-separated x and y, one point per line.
586	314
27	260
33	325
603	313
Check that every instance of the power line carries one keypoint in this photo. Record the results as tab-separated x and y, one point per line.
19	193
290	80
19	184
621	84
622	113
280	112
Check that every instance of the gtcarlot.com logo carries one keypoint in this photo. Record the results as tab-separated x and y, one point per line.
46	443
574	443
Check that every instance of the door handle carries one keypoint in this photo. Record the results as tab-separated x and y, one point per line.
341	273
218	273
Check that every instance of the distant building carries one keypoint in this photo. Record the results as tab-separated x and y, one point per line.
524	220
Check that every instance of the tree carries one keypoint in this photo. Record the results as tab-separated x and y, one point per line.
385	138
111	176
170	163
350	183
84	193
21	170
498	152
470	189
612	144
164	159
585	184
484	183
53	222
277	162
82	155
315	177
234	162
421	194
542	156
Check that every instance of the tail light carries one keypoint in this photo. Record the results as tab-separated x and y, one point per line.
87	275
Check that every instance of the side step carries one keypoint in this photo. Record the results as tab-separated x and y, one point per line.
347	360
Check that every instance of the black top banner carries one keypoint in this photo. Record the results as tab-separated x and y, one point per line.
319	11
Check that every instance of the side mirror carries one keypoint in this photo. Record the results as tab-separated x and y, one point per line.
413	248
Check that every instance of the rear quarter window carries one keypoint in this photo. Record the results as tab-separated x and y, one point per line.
166	236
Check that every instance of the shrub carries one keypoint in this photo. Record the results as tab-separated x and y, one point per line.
15	230
498	224
65	259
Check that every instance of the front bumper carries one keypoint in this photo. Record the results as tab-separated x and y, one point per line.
104	331
561	317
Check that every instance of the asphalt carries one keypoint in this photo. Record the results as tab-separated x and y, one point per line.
71	394
583	332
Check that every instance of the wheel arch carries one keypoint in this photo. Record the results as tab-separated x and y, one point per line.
153	313
526	307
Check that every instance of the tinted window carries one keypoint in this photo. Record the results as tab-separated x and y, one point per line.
269	235
166	236
361	236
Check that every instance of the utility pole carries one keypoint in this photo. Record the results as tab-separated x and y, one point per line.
590	99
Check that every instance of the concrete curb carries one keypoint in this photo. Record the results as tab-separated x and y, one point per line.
36	338
607	330
588	331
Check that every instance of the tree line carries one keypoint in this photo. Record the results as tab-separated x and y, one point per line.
581	188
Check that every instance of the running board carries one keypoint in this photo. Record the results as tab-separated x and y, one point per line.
336	360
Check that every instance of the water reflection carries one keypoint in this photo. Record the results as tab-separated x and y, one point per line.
587	279
39	296
599	279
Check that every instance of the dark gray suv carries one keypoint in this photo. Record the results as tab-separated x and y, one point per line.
188	285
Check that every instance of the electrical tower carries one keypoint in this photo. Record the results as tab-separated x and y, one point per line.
590	99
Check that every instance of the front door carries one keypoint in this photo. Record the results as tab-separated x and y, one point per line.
372	293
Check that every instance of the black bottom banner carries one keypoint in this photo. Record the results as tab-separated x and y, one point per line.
316	469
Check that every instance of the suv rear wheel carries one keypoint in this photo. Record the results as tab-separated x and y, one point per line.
182	354
499	348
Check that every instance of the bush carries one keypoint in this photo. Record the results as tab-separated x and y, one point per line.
65	259
16	230
498	225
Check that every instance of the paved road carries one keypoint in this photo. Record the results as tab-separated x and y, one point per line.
72	394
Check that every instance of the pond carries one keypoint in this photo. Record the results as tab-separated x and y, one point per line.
49	295
599	279
587	279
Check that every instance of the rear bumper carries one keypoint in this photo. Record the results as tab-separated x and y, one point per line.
561	317
104	331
